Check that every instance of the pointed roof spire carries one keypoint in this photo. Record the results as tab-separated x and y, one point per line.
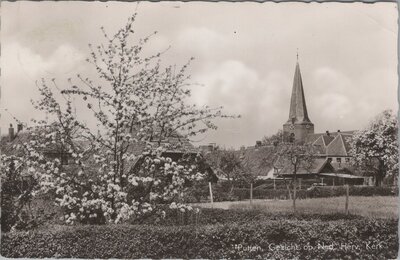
298	108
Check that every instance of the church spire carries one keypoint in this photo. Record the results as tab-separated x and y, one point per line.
298	108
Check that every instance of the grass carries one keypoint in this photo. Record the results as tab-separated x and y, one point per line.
375	207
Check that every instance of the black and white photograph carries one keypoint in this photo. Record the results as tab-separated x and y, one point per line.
199	130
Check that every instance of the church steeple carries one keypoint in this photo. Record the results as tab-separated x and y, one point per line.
298	126
298	108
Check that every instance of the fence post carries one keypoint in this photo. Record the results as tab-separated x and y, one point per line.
211	195
251	193
347	199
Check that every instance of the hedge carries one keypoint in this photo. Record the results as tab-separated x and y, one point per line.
335	191
243	194
278	239
314	192
222	216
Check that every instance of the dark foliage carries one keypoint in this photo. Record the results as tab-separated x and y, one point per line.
222	216
335	191
257	238
15	199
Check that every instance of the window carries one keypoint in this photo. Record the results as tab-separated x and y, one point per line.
329	159
339	160
347	159
291	138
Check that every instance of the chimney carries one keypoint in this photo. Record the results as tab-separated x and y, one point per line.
327	133
19	127
11	132
338	130
258	143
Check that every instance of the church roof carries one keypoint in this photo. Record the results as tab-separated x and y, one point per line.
298	108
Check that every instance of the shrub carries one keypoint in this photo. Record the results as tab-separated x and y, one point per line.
336	191
222	216
16	195
260	192
234	240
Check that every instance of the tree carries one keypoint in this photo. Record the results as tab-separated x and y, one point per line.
16	193
292	158
274	139
136	103
375	148
227	163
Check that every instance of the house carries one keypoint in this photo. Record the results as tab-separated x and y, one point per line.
335	147
319	165
178	148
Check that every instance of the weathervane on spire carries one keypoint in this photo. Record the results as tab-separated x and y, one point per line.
297	54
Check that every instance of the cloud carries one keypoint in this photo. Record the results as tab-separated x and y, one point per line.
201	41
226	83
333	106
329	80
21	68
18	59
68	56
261	100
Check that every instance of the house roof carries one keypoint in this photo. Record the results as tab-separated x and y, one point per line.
175	144
334	144
260	160
317	166
6	144
313	137
178	143
327	139
347	139
337	147
342	175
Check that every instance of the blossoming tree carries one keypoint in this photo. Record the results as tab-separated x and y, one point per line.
137	104
375	148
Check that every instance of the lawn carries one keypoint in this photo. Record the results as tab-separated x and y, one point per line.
377	206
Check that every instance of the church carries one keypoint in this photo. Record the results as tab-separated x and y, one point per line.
332	161
333	158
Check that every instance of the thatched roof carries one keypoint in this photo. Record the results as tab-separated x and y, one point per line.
259	160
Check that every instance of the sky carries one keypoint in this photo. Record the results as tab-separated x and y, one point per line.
245	57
